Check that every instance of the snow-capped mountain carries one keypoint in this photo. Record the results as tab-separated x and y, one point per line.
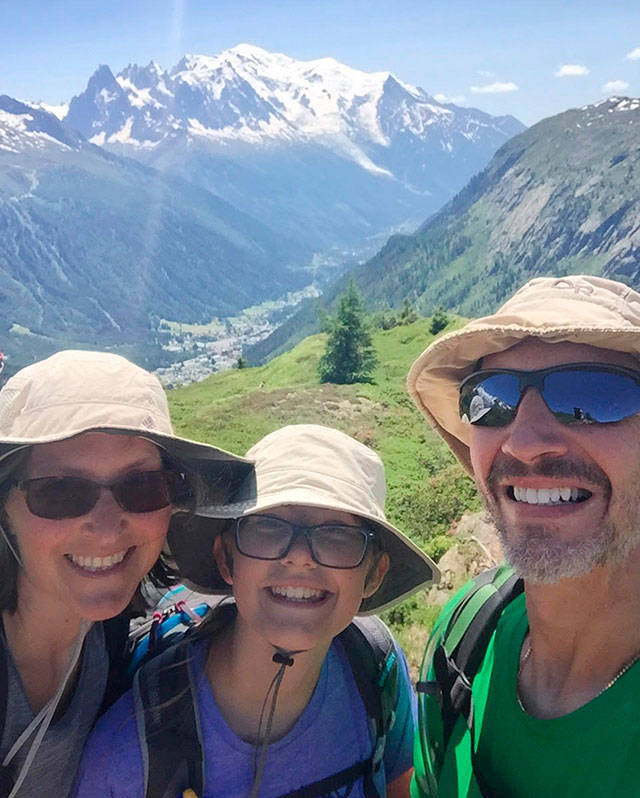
248	94
256	127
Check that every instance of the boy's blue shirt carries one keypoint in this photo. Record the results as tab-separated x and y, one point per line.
331	734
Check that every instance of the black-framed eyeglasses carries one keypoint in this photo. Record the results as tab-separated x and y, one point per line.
56	498
576	393
267	537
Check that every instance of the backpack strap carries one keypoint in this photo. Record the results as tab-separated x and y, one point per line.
167	711
371	653
116	639
460	649
331	785
169	725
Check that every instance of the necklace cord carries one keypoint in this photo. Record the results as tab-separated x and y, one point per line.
610	683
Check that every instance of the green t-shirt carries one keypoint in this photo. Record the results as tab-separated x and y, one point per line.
593	752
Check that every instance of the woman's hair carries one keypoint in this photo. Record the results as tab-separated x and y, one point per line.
162	575
12	469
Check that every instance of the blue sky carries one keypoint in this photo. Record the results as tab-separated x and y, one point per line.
530	59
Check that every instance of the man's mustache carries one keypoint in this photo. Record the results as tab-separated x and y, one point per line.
505	466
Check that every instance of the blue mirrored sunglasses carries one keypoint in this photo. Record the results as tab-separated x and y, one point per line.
576	393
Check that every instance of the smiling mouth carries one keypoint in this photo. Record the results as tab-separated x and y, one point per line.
299	595
550	497
98	564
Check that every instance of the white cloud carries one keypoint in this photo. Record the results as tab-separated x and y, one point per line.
634	55
484	73
571	71
445	98
494	88
615	86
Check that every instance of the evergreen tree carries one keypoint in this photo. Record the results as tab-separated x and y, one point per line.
439	320
349	356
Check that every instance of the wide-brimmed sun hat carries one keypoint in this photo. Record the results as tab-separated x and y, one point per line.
312	466
73	392
578	308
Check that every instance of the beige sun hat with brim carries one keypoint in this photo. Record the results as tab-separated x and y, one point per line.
578	308
73	392
312	466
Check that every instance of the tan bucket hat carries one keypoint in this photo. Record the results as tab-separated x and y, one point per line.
578	308
315	466
75	391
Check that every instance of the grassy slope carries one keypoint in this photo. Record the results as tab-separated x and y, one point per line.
427	488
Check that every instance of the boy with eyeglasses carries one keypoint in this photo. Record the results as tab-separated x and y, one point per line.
279	694
531	679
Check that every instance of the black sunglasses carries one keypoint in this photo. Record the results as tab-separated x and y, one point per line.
576	393
267	537
56	498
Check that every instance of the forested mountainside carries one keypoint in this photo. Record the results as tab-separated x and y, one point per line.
561	197
96	248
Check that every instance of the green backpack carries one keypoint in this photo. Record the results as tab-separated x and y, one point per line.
451	660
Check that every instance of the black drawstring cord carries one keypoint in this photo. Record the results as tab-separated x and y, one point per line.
285	660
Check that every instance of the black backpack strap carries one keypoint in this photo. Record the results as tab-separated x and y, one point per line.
116	638
371	652
169	725
332	784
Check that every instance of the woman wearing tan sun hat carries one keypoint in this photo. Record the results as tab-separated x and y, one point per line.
91	477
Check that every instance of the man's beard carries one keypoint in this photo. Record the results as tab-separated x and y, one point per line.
539	556
537	552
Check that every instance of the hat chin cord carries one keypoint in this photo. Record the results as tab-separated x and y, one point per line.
284	658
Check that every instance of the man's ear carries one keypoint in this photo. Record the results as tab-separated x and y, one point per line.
222	556
375	575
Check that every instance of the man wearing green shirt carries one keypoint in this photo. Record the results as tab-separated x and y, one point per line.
541	402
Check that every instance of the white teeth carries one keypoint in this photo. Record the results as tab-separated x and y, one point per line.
297	593
98	563
532	496
548	495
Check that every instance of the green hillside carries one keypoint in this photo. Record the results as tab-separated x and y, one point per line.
428	489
